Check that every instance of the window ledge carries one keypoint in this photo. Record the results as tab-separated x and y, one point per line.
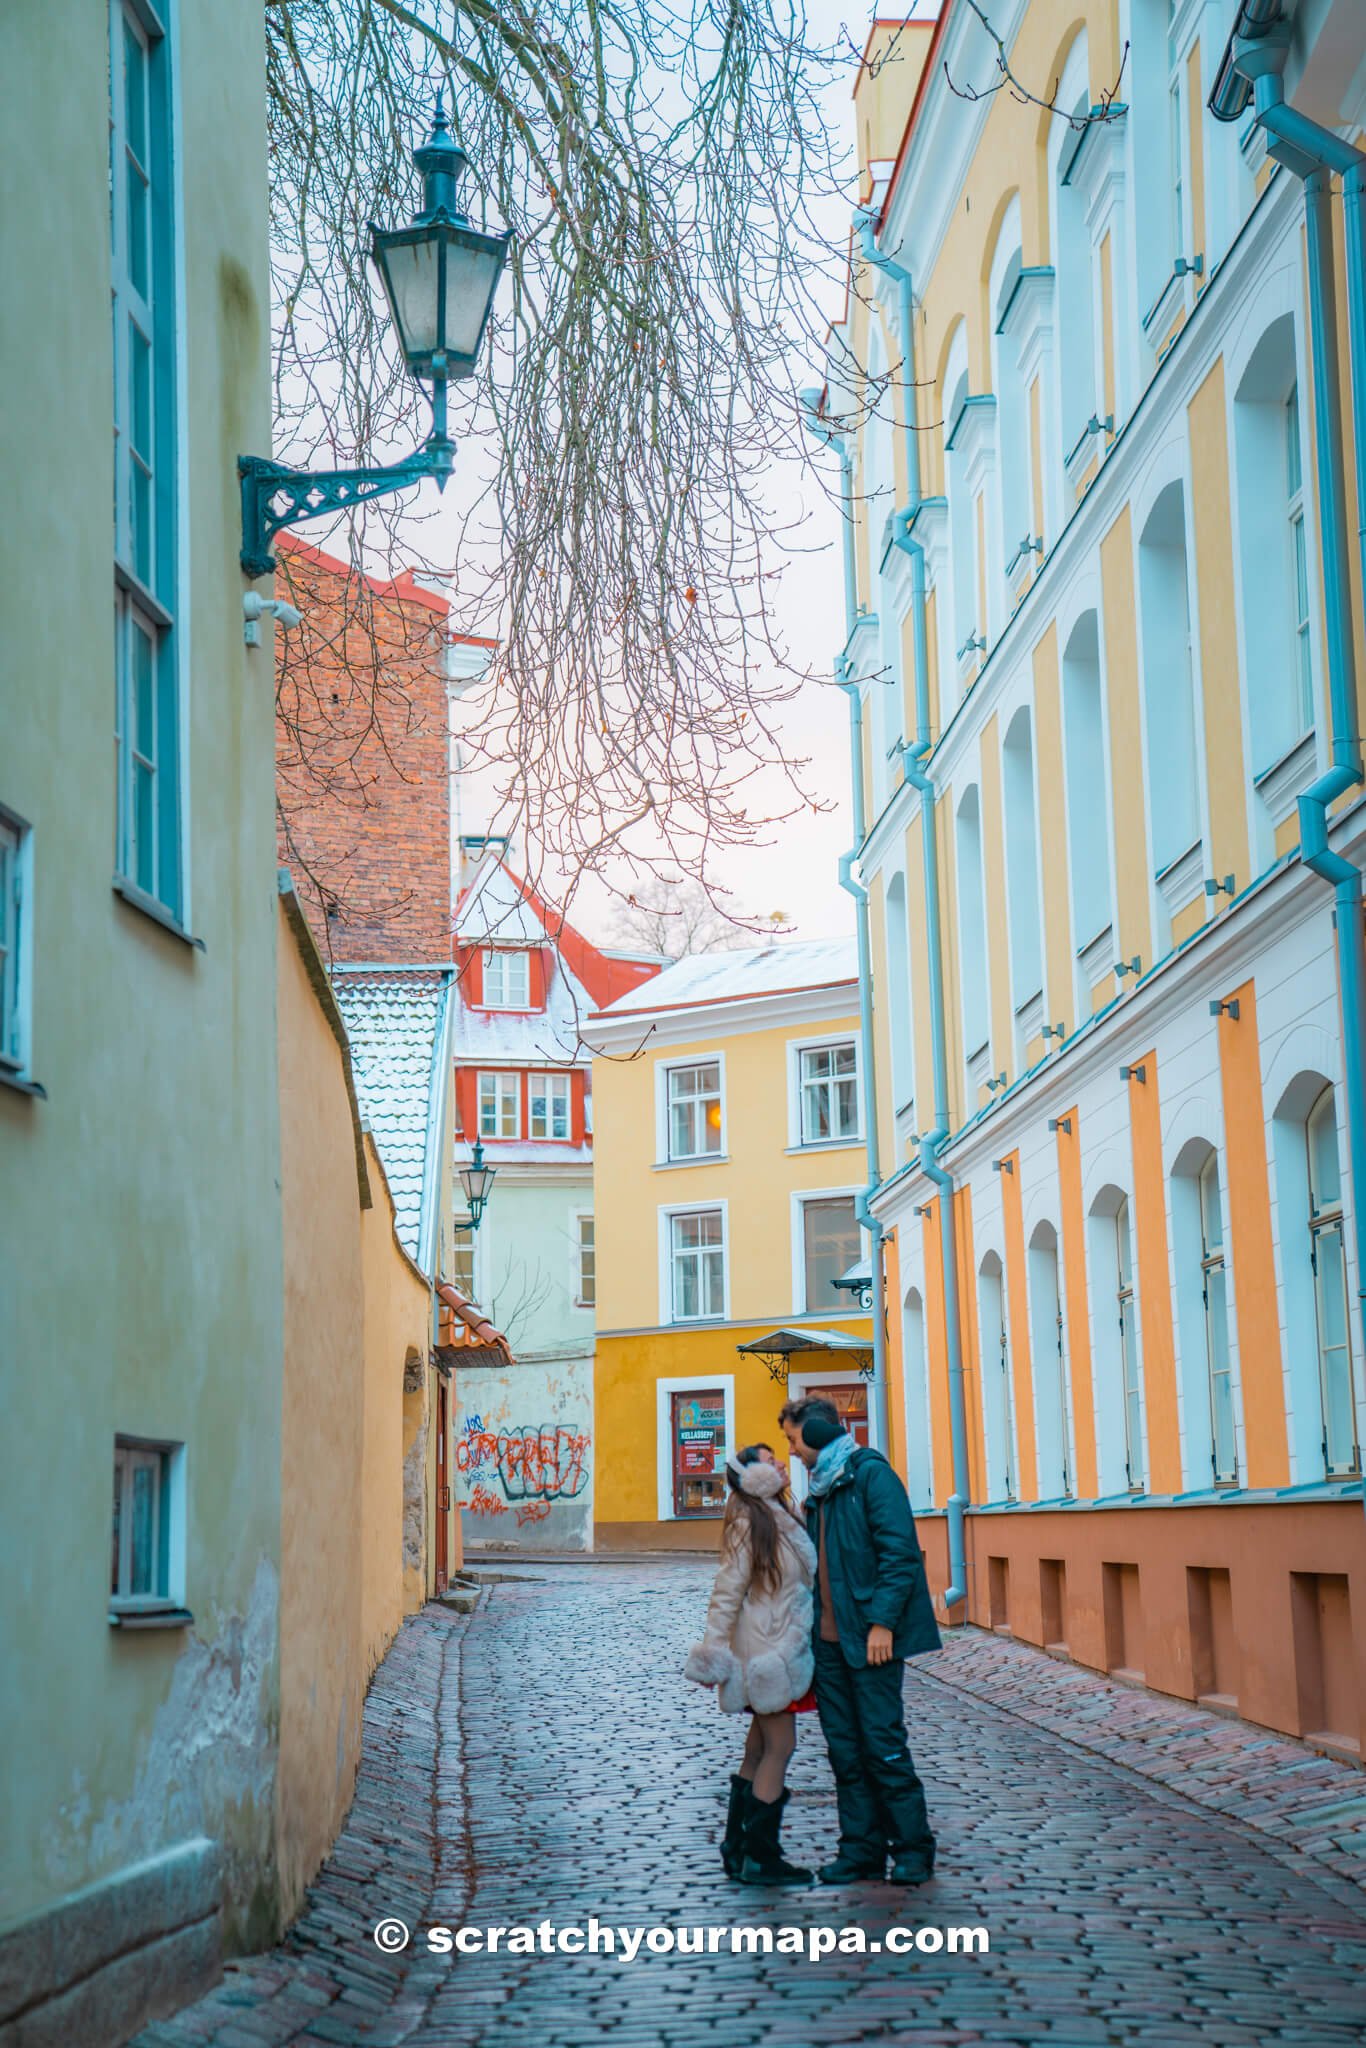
150	1617
138	899
701	1159
20	1084
849	1144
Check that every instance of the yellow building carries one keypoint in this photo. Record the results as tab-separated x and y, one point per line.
1096	395
729	1176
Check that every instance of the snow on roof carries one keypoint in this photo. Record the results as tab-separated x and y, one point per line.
393	1018
730	977
529	1038
493	911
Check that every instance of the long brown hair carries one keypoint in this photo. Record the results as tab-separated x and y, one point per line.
749	1512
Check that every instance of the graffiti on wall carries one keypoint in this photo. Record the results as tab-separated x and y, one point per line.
535	1465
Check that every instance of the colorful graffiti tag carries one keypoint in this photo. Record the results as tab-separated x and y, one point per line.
536	1464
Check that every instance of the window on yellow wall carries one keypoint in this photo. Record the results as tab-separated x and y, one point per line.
831	1244
694	1110
829	1092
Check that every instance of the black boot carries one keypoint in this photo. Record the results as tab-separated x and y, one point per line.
851	1867
764	1860
733	1841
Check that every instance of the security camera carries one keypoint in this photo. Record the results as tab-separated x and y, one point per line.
254	606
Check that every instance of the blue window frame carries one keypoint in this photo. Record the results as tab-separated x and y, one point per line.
149	857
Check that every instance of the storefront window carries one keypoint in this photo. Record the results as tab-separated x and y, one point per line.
697	1430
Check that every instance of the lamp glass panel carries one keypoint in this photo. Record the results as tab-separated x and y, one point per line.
413	273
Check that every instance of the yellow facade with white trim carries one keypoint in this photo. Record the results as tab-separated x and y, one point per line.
1119	514
643	1353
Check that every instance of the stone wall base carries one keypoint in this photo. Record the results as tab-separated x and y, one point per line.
108	1960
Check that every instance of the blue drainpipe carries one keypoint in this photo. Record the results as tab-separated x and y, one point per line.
1257	53
822	430
913	768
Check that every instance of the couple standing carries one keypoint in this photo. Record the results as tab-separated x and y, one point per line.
820	1613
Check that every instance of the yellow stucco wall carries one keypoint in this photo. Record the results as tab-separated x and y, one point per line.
757	1177
354	1312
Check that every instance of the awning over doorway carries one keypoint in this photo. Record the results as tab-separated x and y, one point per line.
780	1345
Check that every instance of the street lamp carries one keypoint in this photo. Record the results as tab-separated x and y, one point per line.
477	1181
440	275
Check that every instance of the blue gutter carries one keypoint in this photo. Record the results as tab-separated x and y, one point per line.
913	768
1256	54
822	430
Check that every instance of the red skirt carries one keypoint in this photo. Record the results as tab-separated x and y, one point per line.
805	1705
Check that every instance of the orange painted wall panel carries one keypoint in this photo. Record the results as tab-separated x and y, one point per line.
1021	1369
1076	1311
1154	1281
1249	1221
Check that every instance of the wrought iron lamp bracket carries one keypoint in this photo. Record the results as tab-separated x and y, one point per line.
275	496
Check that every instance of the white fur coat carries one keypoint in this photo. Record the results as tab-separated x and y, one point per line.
757	1646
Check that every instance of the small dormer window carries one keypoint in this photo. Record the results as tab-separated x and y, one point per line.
507	979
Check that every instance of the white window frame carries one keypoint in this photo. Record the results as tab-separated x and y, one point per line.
461	1224
496	988
667	1212
1131	1388
690	1383
557	1087
507	1082
1330	1221
150	725
796	1132
581	1299
16	947
1301	581
797	1203
168	1461
663	1069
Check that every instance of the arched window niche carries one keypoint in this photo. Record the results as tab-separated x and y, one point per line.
1088	814
1023	915
1277	577
915	1378
1320	1341
1117	1344
972	946
1174	750
1210	1417
998	1406
1048	1347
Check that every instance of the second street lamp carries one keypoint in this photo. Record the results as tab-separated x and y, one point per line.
440	275
477	1181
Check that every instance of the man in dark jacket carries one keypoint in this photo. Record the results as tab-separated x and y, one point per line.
873	1610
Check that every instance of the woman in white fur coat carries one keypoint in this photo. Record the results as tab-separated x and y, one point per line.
757	1653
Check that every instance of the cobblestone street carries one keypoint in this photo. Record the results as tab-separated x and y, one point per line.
576	1775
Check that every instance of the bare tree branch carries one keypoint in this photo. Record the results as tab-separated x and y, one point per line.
656	161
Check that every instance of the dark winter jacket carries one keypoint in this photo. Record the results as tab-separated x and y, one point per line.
873	1559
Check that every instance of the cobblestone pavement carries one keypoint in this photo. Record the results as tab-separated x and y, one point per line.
575	1775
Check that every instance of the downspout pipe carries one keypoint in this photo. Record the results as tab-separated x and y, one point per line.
1257	53
822	430
913	768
